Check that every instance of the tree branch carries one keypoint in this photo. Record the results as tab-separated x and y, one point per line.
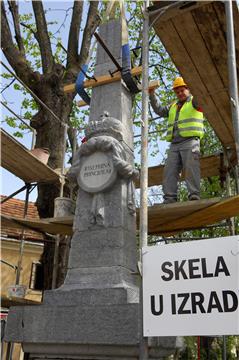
8	85
13	6
43	37
92	22
30	29
73	39
13	55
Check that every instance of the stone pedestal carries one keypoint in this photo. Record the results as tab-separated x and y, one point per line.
96	313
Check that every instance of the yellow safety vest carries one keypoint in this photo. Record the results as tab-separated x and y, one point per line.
190	121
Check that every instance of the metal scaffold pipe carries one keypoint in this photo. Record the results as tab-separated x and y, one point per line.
232	69
144	162
144	136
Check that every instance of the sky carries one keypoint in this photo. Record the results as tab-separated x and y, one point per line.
59	11
10	182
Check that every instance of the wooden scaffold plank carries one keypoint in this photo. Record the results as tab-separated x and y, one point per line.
164	219
102	80
224	209
17	159
152	85
41	225
201	58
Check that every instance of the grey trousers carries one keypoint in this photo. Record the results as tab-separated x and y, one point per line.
187	160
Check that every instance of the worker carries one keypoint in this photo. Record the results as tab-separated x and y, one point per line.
184	131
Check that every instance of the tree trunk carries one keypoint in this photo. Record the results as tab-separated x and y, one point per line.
50	135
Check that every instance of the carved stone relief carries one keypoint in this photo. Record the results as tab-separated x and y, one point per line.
99	162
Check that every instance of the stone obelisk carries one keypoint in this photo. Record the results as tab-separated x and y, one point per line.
96	313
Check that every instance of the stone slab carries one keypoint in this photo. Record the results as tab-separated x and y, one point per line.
104	278
160	350
112	247
105	325
82	297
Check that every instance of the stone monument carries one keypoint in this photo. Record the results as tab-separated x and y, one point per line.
95	314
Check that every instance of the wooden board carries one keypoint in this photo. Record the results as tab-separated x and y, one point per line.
223	209
16	301
66	220
152	85
17	159
203	59
163	218
81	103
174	11
167	213
102	80
196	41
41	225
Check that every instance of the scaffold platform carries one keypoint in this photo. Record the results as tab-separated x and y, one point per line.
164	219
17	159
194	35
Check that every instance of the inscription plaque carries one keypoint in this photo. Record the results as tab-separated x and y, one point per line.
97	172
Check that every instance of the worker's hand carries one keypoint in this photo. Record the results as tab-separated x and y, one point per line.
153	85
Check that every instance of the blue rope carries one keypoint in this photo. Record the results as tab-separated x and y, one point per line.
80	84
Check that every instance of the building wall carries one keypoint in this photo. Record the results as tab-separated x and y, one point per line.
10	253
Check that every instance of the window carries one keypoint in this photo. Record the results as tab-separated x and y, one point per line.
37	276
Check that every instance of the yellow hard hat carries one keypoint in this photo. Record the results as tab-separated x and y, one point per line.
178	82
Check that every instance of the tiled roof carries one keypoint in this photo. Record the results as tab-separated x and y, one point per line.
15	207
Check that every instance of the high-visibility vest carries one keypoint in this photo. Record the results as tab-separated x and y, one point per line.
190	121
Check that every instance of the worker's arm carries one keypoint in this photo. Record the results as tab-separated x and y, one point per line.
158	109
196	105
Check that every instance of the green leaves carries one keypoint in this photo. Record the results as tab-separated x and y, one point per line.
11	121
17	86
18	134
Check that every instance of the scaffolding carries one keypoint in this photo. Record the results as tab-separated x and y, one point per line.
201	59
199	75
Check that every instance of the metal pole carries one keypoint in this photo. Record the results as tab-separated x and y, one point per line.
17	116
104	46
144	164
198	348
229	190
55	261
63	161
9	351
19	265
57	239
232	69
144	136
224	347
72	185
13	194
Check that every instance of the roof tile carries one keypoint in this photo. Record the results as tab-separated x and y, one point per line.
15	207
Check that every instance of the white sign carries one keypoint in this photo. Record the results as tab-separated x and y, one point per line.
191	288
97	172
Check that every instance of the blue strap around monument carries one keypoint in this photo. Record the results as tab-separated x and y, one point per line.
80	84
126	70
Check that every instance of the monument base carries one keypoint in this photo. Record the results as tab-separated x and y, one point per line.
103	325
